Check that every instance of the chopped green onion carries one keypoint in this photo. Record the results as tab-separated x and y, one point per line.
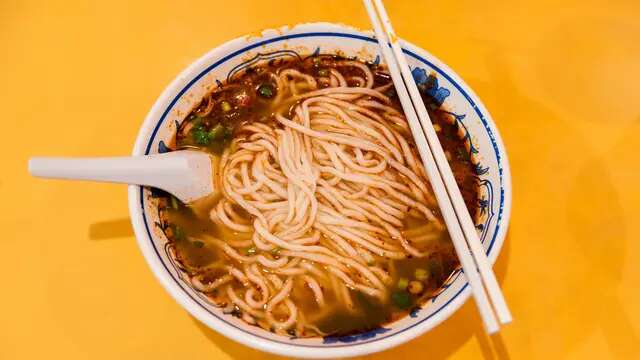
198	243
401	299
200	136
402	283
421	274
217	132
225	106
276	250
251	251
174	202
266	91
323	72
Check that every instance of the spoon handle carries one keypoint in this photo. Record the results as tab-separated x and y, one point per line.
186	174
140	170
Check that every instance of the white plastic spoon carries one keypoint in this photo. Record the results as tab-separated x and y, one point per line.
188	175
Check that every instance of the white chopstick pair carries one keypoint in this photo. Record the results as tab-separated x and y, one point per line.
459	223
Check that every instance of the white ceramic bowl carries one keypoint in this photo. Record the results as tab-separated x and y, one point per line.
217	65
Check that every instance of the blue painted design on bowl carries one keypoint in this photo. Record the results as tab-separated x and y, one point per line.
483	203
428	84
356	337
480	170
415	311
163	148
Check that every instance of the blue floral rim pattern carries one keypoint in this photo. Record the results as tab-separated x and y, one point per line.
438	93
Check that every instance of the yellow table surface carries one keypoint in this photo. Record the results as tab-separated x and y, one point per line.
559	77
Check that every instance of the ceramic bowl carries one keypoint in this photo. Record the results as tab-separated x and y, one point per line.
475	125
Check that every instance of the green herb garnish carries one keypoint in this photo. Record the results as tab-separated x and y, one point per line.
266	91
401	299
200	136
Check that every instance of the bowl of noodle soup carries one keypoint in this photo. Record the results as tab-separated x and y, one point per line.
323	238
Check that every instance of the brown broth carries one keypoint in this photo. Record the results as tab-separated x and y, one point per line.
245	104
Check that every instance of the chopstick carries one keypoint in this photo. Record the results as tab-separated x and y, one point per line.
469	249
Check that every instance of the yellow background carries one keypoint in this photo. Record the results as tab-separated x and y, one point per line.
559	77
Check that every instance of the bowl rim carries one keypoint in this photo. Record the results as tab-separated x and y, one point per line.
142	145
